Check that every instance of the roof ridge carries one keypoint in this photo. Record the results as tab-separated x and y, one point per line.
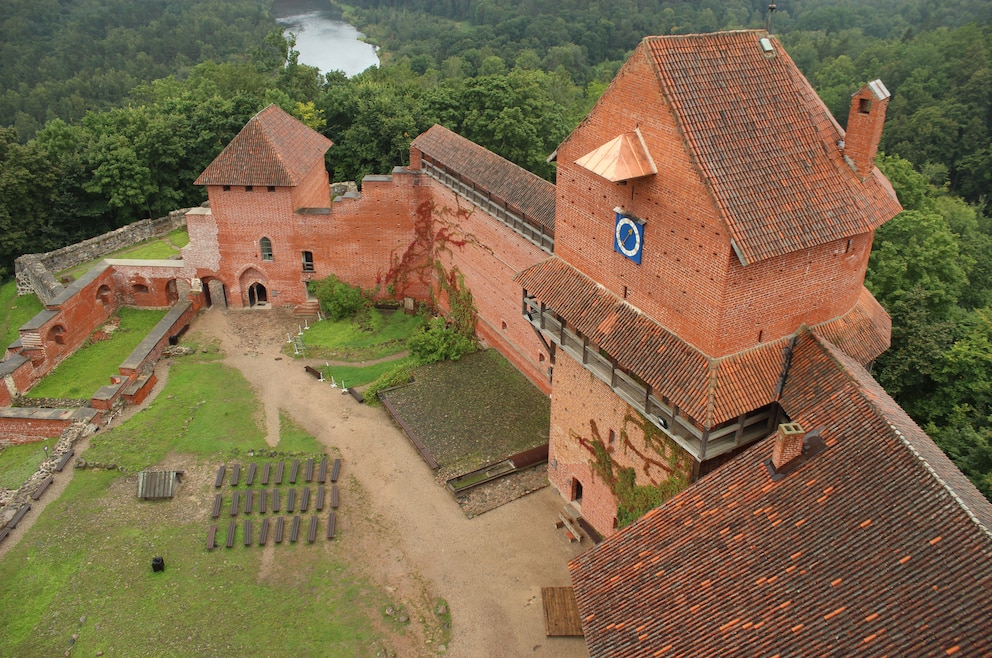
870	400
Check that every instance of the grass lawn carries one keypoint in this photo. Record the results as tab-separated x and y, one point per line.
157	249
92	365
18	463
15	311
355	376
83	571
344	340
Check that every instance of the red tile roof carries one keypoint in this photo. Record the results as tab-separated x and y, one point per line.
529	195
876	546
272	149
766	144
709	390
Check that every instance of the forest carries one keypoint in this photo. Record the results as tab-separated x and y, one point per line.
110	109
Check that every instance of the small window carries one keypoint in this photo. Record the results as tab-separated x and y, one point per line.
248	188
307	261
265	246
613	437
272	188
227	188
864	105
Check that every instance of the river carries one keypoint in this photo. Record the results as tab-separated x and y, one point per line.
322	38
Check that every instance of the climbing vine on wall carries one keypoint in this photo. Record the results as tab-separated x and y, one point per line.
634	500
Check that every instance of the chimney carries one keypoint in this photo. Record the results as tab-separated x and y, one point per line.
864	127
788	444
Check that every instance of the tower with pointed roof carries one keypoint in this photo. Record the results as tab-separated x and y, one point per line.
708	208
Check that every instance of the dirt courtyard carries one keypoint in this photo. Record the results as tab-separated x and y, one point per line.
415	540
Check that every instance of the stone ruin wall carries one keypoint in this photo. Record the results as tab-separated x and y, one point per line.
35	273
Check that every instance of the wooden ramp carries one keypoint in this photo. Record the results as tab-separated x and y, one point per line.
561	613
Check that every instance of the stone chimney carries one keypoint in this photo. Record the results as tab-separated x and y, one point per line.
788	444
864	127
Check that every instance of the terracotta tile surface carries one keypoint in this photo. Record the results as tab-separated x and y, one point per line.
766	144
527	194
273	148
876	546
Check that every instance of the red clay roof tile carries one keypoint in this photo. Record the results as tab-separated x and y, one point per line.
273	148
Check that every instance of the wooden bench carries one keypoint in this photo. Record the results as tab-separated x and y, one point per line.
262	500
41	488
25	508
331	522
305	499
319	503
231	528
220	476
63	460
234	503
251	474
275	500
212	538
247	532
336	470
295	471
235	475
334	496
573	532
355	394
322	473
218	501
308	471
249	500
312	532
263	532
291	501
265	474
294	532
278	479
280	525
316	374
3	534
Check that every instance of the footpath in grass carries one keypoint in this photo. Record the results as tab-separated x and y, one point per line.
92	365
81	578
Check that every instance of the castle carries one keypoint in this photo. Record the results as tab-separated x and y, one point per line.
690	293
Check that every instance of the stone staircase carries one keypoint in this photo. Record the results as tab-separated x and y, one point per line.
307	309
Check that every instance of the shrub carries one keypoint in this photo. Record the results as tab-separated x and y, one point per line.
439	342
395	377
338	300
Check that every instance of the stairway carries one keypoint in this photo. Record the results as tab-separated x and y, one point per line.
309	308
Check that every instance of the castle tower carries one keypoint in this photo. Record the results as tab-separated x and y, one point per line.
706	211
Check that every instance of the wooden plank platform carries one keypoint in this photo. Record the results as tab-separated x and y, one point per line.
63	460
249	500
312	531
305	499
234	503
265	473
263	499
334	496
218	501
41	488
295	471
336	470
220	476
235	475
231	528
275	500
280	526
247	532
561	613
291	501
158	484
263	532
294	532
308	471
322	473
212	538
251	474
331	523
278	478
318	504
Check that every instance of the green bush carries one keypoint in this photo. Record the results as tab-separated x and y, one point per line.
439	342
395	377
338	300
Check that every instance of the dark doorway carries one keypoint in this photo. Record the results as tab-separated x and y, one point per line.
576	490
257	295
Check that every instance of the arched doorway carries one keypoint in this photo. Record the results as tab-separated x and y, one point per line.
171	292
257	295
214	292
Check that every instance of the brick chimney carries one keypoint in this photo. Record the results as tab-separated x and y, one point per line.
864	127
788	444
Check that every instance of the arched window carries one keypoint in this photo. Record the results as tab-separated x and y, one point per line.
265	246
140	288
